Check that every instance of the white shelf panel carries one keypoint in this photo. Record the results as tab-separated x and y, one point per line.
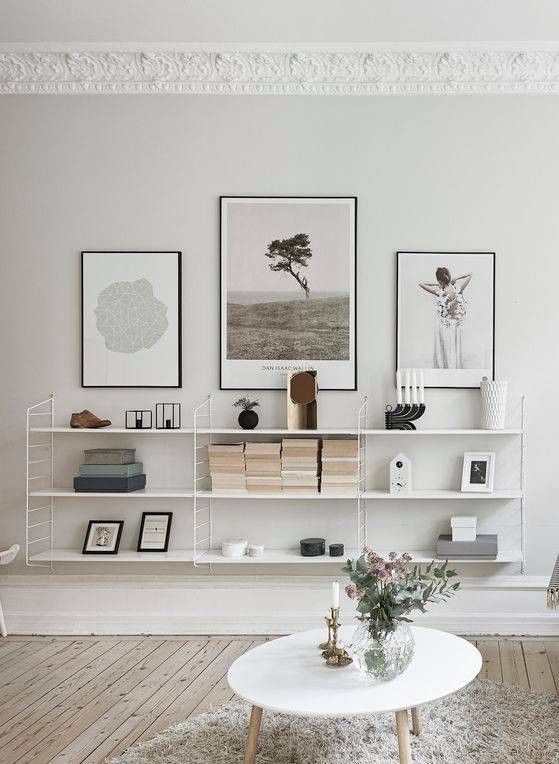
149	493
421	556
280	495
441	494
75	555
275	557
114	430
276	431
410	433
270	557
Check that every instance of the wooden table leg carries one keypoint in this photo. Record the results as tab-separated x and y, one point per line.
416	721
253	733
404	747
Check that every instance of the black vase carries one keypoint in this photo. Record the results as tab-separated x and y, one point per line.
248	419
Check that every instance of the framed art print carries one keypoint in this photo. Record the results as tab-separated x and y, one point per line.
103	537
288	298
446	316
478	472
155	531
131	319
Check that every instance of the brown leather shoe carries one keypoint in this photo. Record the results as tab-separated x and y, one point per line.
85	419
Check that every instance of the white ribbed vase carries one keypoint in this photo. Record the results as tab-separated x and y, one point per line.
493	404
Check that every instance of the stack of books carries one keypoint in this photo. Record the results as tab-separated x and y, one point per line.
299	465
263	467
108	470
227	467
340	466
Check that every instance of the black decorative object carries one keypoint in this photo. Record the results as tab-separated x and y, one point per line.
336	550
155	531
403	416
248	419
312	547
139	419
167	416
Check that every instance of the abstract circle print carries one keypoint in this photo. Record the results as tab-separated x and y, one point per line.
450	312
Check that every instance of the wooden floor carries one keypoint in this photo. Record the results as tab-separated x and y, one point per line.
85	699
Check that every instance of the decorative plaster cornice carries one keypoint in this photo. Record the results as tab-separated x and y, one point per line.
374	70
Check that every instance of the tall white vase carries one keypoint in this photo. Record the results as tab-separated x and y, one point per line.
493	404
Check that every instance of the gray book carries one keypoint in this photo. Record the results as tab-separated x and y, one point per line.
111	470
107	484
109	455
485	546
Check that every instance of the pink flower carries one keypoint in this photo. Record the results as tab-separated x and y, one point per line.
407	557
351	591
392	556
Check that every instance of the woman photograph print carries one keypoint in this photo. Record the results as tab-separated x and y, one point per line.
446	316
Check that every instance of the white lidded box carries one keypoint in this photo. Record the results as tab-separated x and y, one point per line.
234	547
464	527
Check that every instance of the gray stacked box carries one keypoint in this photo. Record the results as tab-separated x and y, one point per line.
108	470
485	547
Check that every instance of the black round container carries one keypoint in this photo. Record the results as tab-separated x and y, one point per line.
248	419
312	547
336	550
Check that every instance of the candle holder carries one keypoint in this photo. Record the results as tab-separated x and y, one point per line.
403	416
335	655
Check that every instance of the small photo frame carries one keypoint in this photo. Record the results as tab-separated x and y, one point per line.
138	419
478	471
155	531
103	537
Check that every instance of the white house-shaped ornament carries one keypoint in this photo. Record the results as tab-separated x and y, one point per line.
400	474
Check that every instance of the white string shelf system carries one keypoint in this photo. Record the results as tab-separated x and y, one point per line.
42	492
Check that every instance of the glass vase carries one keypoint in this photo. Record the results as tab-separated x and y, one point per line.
384	656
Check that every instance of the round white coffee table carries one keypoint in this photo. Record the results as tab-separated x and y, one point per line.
289	675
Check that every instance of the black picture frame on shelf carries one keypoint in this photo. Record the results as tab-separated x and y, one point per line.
455	348
241	367
161	541
147	358
138	419
167	416
103	537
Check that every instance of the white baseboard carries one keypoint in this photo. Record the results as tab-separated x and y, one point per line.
81	605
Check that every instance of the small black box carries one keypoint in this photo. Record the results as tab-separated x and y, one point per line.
312	547
106	484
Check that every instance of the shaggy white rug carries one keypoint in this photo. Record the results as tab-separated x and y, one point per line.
486	723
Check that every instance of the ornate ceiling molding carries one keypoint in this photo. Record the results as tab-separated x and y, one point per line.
223	70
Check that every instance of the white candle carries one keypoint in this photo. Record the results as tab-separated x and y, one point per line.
421	387
399	386
407	387
413	386
335	594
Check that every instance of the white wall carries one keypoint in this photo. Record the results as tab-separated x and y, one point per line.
146	172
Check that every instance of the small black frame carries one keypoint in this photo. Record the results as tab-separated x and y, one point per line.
143	416
167	416
120	524
169	516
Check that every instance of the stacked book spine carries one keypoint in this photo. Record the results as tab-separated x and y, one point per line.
227	467
263	467
299	465
110	470
340	466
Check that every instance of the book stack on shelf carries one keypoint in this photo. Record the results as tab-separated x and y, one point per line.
263	467
340	466
299	465
110	470
227	467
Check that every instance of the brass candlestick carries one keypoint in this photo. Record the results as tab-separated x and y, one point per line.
334	654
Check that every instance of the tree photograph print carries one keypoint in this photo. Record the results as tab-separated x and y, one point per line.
287	290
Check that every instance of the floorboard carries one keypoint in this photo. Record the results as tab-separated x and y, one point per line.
83	700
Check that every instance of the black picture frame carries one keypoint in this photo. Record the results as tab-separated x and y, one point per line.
490	253
144	415
169	516
91	523
179	316
224	197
